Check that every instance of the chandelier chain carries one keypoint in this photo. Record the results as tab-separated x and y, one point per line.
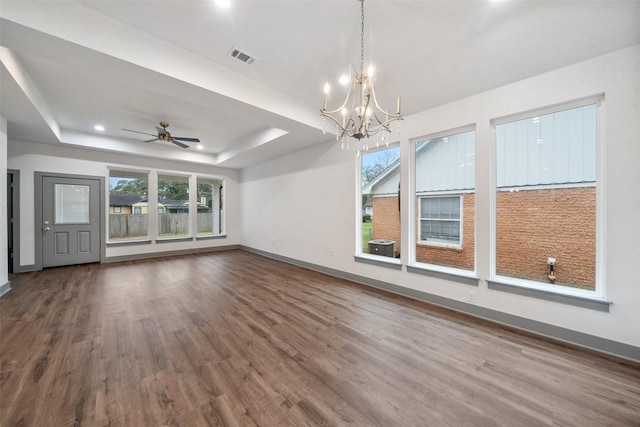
361	36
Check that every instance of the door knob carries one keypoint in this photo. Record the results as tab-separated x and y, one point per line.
45	227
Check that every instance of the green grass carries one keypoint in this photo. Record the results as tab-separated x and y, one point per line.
174	235
367	234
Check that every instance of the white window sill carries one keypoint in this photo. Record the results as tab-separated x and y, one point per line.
128	243
569	296
211	236
381	261
447	273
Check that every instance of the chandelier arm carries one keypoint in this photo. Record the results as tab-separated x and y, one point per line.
333	119
344	104
396	116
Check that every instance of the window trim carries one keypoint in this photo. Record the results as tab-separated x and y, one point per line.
412	236
186	177
124	170
440	243
599	293
360	254
211	180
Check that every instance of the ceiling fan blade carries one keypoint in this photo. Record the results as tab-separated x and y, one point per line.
151	140
137	131
180	138
179	144
161	131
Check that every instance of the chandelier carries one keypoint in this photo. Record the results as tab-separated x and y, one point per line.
359	116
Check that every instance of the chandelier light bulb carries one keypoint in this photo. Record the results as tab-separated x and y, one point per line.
370	71
344	80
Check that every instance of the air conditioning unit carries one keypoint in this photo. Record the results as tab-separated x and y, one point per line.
382	247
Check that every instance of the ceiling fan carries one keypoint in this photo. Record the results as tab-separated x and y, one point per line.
165	135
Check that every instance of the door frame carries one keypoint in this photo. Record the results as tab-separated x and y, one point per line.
37	184
15	225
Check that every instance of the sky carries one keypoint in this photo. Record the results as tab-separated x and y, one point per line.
373	157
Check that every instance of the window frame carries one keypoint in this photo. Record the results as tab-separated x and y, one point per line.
412	236
460	220
360	255
111	169
218	206
599	293
184	177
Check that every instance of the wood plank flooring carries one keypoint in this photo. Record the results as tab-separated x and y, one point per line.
235	339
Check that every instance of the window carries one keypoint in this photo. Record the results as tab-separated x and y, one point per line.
444	198
128	196
210	207
545	198
379	210
173	206
71	204
440	220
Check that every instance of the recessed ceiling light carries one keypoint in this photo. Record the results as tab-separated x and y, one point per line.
225	4
99	128
199	147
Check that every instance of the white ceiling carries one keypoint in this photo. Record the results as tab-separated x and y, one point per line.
68	65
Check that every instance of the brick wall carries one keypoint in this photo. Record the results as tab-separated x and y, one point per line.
534	225
463	257
386	220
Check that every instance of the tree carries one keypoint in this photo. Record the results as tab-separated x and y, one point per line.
375	163
369	173
130	186
173	190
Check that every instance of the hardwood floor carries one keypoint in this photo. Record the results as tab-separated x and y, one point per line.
232	338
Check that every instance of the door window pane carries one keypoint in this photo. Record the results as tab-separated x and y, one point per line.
71	204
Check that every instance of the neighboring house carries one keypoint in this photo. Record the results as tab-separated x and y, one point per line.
167	206
384	202
532	188
123	203
367	211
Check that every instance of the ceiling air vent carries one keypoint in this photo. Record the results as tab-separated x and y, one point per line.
242	56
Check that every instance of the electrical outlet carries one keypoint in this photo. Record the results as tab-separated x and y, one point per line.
471	297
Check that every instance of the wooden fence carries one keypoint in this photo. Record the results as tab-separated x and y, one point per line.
129	225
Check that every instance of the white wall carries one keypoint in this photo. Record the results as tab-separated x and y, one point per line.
302	206
4	250
31	157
